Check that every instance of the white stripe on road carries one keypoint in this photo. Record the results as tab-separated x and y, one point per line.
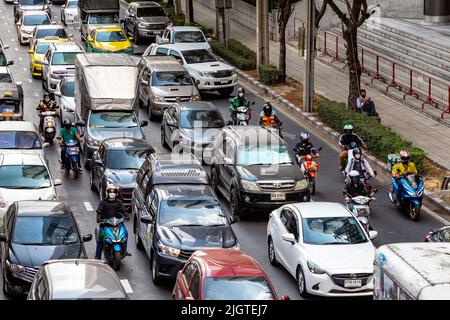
126	285
88	206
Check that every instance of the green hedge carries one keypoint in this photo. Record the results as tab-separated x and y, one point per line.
241	49
269	74
380	140
232	57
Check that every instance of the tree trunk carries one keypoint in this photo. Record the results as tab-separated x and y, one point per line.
354	67
282	57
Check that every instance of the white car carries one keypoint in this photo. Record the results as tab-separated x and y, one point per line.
69	12
24	175
190	36
208	73
65	99
324	247
28	21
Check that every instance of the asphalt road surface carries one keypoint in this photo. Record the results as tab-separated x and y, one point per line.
135	272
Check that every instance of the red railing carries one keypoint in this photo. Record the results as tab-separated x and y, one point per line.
297	23
414	83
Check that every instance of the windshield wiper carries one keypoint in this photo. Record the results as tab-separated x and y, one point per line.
334	243
188	225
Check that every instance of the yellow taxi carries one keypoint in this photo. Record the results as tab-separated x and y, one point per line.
37	53
108	40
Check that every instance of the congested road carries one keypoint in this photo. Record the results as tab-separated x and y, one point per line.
391	225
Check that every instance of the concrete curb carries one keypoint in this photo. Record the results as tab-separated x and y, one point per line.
329	133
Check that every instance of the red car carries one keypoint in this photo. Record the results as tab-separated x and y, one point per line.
223	274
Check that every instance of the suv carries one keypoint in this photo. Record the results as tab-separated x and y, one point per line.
175	212
59	62
162	82
30	5
254	168
145	20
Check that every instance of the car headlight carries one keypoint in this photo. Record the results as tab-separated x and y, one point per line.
314	268
2	203
16	268
204	74
55	76
93	142
168	251
249	185
50	124
156	98
302	184
195	97
143	25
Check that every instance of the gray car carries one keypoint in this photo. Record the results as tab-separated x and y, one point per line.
77	279
30	5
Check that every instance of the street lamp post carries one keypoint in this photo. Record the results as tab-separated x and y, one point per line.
308	83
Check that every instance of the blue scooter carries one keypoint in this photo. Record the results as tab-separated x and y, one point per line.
411	196
115	238
72	157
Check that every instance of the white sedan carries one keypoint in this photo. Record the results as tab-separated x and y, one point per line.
324	247
69	12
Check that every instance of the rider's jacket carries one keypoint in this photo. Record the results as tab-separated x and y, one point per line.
400	169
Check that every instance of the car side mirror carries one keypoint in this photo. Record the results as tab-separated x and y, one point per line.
46	145
170	122
70	36
145	83
44	62
30	51
57	94
289	237
87	237
18	24
10	63
53	22
57	182
63	6
227	161
147	219
80	124
253	103
285	298
143	123
130	38
2	237
234	219
373	234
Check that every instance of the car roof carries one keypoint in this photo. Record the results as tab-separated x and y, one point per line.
196	105
34	13
17	126
20	157
181	46
145	4
50	26
321	209
125	143
52	39
186	191
184	28
240	133
164	63
69	46
82	279
108	28
42	208
227	263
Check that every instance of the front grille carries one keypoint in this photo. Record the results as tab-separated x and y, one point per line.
176	99
276	185
221	74
177	174
156	26
339	279
185	254
347	292
31	272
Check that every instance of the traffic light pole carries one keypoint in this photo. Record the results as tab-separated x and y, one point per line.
308	83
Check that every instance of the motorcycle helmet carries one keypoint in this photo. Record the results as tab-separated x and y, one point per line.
112	191
357	153
348	129
404	156
67	124
46	97
241	93
304	136
354	176
267	109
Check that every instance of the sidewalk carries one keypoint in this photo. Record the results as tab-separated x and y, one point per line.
426	133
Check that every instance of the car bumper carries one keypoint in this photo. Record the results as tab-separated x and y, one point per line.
17	284
25	38
149	33
261	200
168	266
53	83
36	69
210	83
158	108
323	285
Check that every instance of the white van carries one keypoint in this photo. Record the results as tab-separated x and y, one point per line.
412	271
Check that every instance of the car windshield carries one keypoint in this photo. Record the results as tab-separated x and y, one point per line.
36	20
264	154
42	33
329	231
72	4
69	89
171	78
189	36
200	119
237	288
5	77
9	106
198	56
113	120
24	177
126	159
31	2
150	12
111	36
182	212
103	19
19	140
64	58
42	47
3	61
47	230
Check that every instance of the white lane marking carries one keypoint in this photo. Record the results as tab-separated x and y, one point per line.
31	81
88	206
12	40
9	31
435	215
16	49
25	69
126	285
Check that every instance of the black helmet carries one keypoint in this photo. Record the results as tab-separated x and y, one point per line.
46	94
267	109
67	124
241	93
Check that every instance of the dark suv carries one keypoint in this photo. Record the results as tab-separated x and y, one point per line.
145	19
176	212
253	168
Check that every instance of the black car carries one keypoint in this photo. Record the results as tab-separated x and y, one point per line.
176	212
145	19
117	161
439	235
192	126
33	232
254	169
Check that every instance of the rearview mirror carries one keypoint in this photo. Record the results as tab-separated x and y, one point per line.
289	237
147	219
234	219
87	237
373	234
10	63
143	123
57	182
2	237
46	145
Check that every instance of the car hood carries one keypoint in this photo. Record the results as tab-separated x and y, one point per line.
269	172
200	136
92	26
346	258
174	91
32	7
101	134
113	46
72	11
155	20
195	45
35	256
11	195
27	28
68	102
124	178
209	66
193	238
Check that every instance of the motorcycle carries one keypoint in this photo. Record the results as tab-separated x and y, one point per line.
310	167
275	129
242	116
115	238
72	156
361	209
49	127
411	196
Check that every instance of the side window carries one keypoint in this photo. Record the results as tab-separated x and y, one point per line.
284	217
149	199
41	289
293	226
154	205
194	288
162	51
171	112
176	55
230	150
92	34
47	56
188	273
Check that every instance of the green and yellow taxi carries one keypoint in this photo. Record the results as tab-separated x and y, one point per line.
37	53
108	40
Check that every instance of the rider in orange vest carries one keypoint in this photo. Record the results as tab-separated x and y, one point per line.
268	118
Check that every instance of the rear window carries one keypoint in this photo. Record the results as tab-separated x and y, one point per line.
42	48
64	58
42	33
36	20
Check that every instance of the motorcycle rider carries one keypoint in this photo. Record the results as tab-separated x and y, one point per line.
239	101
67	133
345	141
268	118
109	207
360	164
403	168
353	188
46	104
305	147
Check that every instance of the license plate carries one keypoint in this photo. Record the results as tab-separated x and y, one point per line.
223	81
73	150
352	283
277	196
7	114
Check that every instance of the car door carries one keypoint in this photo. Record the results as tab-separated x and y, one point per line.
45	65
145	89
182	285
172	116
279	229
194	287
8	220
148	229
292	250
176	54
42	290
285	248
228	171
161	51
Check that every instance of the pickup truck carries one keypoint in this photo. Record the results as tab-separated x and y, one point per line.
188	36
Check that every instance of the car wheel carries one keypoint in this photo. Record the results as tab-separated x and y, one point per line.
91	181
234	203
301	283
137	39
163	137
271	252
155	278
137	238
